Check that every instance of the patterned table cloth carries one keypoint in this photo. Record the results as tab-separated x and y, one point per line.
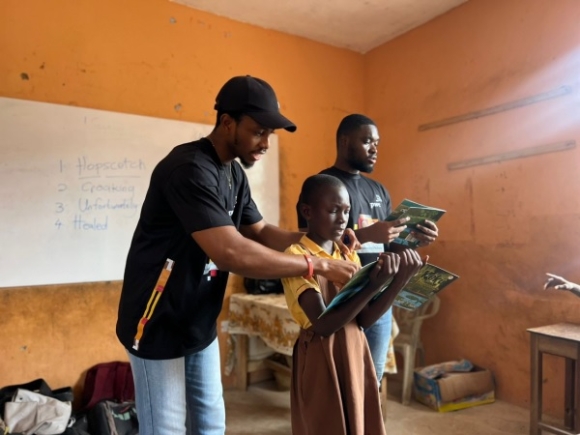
266	316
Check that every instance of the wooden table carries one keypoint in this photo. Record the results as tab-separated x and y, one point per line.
265	316
562	340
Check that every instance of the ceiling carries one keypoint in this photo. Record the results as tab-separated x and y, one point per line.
359	25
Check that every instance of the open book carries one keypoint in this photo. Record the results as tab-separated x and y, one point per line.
417	214
426	283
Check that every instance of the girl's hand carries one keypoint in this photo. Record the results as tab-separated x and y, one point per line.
348	242
558	282
385	269
409	265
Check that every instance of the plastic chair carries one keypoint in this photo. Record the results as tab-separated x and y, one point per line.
408	342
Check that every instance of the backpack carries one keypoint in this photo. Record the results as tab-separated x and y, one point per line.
111	418
263	286
38	386
108	381
35	413
35	406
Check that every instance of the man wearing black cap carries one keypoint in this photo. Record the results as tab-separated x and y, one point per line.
199	207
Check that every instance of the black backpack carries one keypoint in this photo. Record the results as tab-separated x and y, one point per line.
263	286
113	418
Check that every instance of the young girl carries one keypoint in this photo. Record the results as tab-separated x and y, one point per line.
334	388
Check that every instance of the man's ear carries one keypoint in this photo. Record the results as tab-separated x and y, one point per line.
342	144
227	121
305	211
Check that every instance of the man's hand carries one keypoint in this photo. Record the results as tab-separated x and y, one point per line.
336	271
382	231
428	234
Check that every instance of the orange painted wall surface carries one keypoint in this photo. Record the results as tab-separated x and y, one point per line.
159	59
508	222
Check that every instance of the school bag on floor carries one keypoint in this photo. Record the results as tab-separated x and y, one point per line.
37	386
35	407
33	413
108	381
112	418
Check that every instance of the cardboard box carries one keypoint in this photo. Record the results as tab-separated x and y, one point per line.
451	391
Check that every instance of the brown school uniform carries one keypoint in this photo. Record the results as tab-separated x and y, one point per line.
334	388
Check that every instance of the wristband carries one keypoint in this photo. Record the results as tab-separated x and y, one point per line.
310	273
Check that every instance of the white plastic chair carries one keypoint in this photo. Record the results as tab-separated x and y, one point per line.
408	342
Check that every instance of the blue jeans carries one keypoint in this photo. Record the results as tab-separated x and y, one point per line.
175	394
379	337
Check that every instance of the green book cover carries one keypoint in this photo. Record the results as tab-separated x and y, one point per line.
417	214
427	282
358	281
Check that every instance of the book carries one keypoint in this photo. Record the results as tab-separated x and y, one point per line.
417	213
358	281
426	283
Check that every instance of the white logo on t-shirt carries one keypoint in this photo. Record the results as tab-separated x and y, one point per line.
231	212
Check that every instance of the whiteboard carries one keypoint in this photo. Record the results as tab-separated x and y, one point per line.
72	182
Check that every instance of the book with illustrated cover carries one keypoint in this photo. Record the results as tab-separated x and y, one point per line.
426	283
417	213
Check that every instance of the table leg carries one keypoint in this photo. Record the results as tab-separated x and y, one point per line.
241	367
576	383
536	386
569	393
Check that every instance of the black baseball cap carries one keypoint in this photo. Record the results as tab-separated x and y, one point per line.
253	97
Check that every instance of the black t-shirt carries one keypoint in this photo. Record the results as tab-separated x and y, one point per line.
369	202
168	314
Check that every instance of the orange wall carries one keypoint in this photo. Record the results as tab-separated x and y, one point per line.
509	222
506	225
148	57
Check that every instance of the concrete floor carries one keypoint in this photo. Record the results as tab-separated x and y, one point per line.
263	410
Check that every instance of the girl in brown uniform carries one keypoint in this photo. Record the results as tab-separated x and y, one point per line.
334	389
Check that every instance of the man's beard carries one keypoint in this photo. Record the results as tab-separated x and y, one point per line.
366	168
245	163
357	165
